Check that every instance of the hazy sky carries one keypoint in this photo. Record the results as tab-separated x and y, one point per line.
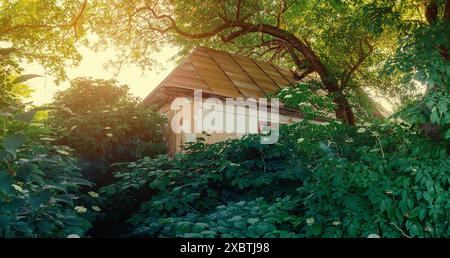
141	83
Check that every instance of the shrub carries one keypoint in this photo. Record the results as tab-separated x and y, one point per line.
309	99
209	176
40	194
253	218
106	123
328	180
396	187
40	183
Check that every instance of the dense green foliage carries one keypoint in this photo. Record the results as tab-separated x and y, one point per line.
380	177
198	182
105	123
319	180
309	99
423	61
11	92
40	183
40	194
388	181
46	31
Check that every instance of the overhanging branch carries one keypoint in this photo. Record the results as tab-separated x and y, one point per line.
70	24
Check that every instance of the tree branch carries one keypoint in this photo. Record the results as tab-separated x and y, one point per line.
72	23
447	11
246	28
238	10
303	74
358	63
431	11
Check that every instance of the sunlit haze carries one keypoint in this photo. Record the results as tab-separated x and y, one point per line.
92	65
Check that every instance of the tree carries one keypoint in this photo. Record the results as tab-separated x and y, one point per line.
423	58
11	88
334	39
45	31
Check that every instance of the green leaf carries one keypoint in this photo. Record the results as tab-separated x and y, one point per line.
45	226
208	233
38	179
316	230
13	142
25	77
434	117
192	235
183	227
26	117
198	227
55	187
78	181
5	182
422	213
252	220
265	227
447	134
235	218
65	199
239	224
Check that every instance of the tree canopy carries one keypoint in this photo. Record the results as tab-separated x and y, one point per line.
46	32
344	42
90	164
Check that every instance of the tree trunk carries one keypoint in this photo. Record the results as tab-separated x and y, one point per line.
431	11
344	110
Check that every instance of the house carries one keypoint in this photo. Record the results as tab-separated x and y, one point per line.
219	75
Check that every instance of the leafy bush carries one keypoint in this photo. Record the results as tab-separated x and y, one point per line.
40	194
106	123
40	183
327	180
422	60
396	187
309	99
254	218
209	176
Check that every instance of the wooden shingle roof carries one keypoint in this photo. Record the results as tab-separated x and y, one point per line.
221	74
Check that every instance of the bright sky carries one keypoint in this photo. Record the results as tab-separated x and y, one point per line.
92	65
